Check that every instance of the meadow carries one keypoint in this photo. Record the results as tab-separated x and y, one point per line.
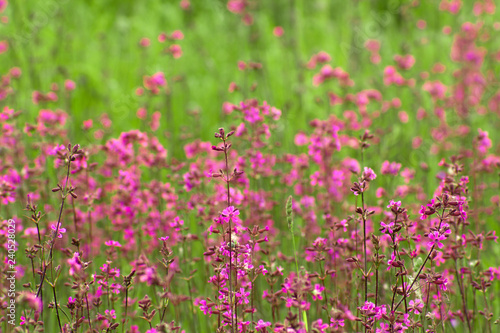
249	166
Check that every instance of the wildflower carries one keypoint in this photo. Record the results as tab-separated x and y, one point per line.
316	293
336	323
436	237
243	296
384	328
229	213
112	243
206	308
390	168
60	230
386	228
422	210
416	306
261	325
111	313
394	204
393	262
319	326
69	85
75	264
369	174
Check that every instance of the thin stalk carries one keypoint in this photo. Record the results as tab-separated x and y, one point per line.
364	245
487	309
74	218
323	283
57	308
289	216
88	311
426	305
63	198
462	294
227	179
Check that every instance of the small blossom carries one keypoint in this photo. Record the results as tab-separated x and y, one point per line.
436	239
316	293
369	174
386	228
60	230
416	306
112	243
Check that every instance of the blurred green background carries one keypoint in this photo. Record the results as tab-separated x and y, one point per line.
96	44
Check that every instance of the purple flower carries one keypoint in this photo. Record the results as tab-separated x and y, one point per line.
369	174
112	243
205	308
387	228
230	212
384	328
416	306
319	326
335	323
396	204
436	237
316	293
261	325
391	261
243	296
422	210
390	168
60	230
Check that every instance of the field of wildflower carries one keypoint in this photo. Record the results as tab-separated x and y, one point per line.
303	166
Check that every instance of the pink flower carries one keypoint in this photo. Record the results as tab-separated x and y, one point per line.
243	295
69	85
394	204
206	308
436	239
368	174
319	326
4	46
110	313
422	213
261	325
391	262
162	37
386	228
230	212
384	328
416	306
336	323
316	293
175	50
112	243
177	35
278	31
483	141
60	230
75	264
145	42
87	124
236	6
390	168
